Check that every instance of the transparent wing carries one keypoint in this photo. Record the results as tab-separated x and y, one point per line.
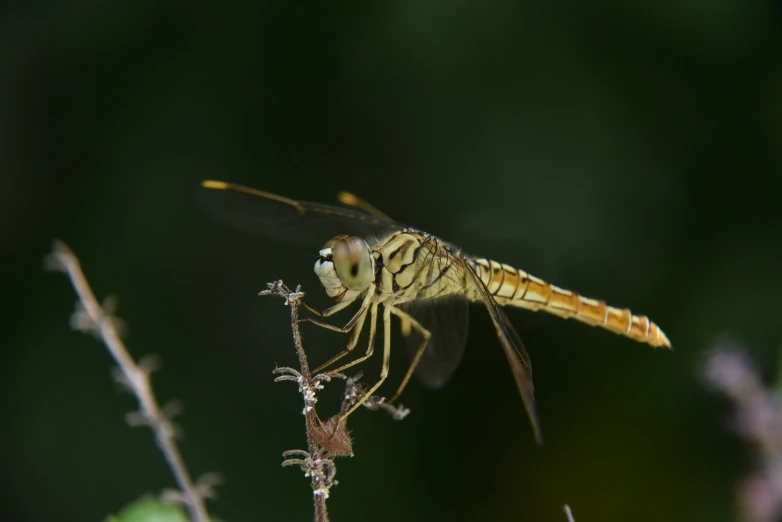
447	320
514	350
297	223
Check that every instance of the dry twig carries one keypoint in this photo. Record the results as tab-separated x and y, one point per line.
91	317
316	463
325	440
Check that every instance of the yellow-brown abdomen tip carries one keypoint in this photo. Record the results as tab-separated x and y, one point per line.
212	184
662	340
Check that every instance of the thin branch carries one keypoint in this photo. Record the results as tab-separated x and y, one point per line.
318	466
92	317
568	513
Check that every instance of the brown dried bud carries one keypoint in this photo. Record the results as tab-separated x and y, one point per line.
333	436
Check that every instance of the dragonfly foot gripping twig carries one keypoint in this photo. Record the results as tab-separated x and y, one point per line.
325	440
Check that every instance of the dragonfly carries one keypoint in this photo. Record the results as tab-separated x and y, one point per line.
391	269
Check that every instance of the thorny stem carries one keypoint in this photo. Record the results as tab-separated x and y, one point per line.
292	299
135	376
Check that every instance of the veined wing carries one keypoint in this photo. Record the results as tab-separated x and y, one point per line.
447	320
298	223
514	350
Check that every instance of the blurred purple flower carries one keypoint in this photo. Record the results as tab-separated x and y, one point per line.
758	420
730	370
759	500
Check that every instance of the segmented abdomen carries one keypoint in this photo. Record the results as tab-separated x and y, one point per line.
514	287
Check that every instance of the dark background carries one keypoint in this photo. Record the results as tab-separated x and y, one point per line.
629	150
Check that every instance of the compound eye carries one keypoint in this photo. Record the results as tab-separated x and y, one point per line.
351	261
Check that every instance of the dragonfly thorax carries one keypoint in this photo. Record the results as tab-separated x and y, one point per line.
345	267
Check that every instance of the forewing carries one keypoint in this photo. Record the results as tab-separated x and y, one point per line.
447	320
297	223
514	350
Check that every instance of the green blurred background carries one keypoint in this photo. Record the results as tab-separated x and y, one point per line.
629	150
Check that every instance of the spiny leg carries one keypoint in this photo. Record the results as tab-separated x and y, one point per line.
336	308
351	344
328	311
371	348
409	321
386	360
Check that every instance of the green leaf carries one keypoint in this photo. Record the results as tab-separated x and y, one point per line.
150	509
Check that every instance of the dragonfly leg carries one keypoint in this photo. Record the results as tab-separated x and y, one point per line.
370	349
386	358
336	308
343	329
409	322
328	311
351	344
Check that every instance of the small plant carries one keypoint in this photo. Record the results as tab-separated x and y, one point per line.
757	419
98	320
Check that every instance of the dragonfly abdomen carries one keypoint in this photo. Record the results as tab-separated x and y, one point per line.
513	287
